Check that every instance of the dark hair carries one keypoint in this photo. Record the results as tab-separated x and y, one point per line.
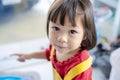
72	8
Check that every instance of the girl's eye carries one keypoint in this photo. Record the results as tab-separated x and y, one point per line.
56	28
73	31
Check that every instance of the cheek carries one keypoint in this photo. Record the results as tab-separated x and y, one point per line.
75	42
52	37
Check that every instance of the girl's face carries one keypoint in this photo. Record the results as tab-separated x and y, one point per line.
67	38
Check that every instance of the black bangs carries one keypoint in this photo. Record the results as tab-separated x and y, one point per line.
68	7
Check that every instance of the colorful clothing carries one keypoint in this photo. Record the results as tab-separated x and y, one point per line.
63	68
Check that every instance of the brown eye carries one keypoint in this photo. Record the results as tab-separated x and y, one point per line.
73	32
56	28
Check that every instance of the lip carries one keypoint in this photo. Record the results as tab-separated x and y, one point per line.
61	47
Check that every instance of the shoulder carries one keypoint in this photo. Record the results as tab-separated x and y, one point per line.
83	55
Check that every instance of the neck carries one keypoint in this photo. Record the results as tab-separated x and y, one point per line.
65	56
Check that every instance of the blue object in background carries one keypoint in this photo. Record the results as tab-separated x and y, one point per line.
8	11
12	78
99	36
31	3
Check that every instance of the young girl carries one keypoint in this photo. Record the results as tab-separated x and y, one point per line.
71	31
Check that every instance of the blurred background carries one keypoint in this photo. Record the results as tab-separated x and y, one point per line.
22	19
22	29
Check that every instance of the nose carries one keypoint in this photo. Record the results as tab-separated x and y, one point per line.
62	38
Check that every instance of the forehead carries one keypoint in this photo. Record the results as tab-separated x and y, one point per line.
77	20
